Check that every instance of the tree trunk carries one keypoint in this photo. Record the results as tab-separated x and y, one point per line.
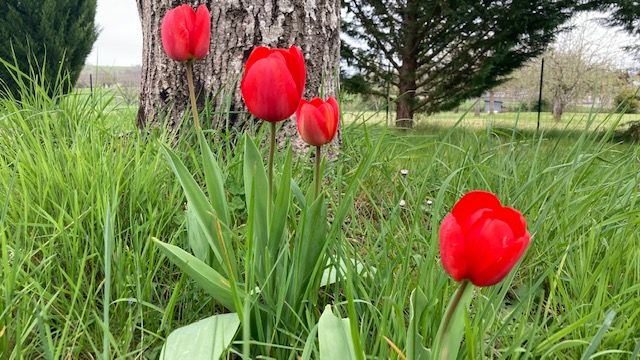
478	108
492	108
406	103
558	110
237	26
404	111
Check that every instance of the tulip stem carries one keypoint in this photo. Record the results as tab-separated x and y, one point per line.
317	172
447	319
192	95
272	150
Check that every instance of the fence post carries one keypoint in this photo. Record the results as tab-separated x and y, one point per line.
540	94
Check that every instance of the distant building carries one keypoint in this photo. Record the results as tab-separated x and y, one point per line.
497	106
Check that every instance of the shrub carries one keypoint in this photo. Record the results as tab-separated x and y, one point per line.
52	37
628	100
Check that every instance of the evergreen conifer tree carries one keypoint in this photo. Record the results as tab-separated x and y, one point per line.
437	53
47	39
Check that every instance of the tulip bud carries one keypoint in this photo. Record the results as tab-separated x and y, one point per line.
273	82
317	120
480	240
186	34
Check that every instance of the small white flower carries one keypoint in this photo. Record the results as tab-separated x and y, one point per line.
404	172
403	203
429	202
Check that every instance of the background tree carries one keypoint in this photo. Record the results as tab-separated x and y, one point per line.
54	37
438	53
626	14
623	13
237	26
628	100
578	66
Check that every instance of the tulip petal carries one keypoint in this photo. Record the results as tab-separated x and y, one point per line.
467	209
336	119
452	248
269	90
296	66
316	101
328	121
175	35
515	220
503	265
200	38
310	123
258	53
490	246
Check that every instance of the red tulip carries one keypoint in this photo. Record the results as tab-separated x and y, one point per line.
273	82
481	240
317	120
186	34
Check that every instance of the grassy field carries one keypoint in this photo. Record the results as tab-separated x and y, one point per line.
64	166
524	121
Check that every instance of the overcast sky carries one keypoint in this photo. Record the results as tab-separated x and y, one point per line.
120	39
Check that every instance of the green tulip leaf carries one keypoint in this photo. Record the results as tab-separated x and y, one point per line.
256	190
281	209
206	339
333	271
214	180
197	237
206	216
415	349
207	278
334	336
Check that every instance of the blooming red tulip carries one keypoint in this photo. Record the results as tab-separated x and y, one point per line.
186	33
273	82
481	240
317	120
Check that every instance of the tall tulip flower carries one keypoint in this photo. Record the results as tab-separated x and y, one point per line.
317	123
272	86
273	82
317	120
480	242
186	35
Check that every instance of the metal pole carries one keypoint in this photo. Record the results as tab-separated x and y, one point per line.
540	94
388	92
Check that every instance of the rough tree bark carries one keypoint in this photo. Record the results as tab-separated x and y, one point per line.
407	82
558	110
406	99
237	26
478	108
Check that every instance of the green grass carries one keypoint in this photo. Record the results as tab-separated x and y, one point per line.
65	166
525	121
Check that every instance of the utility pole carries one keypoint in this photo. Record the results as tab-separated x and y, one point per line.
540	94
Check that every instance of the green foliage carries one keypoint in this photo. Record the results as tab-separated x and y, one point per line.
203	340
284	263
623	13
334	337
436	54
64	164
47	40
628	101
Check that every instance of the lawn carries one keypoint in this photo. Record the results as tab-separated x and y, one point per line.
68	175
526	121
